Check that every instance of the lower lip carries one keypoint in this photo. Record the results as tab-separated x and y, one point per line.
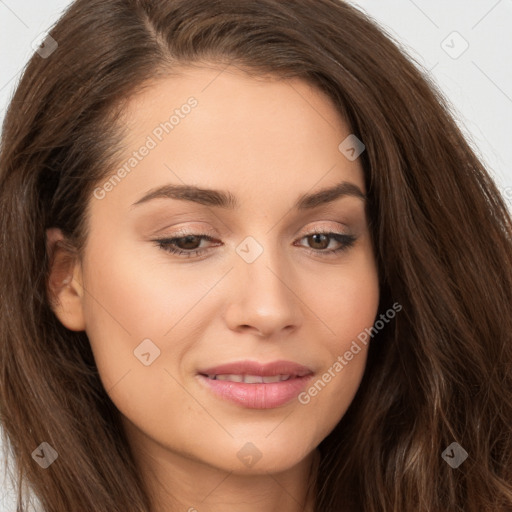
258	396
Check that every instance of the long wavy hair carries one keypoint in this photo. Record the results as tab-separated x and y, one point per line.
441	372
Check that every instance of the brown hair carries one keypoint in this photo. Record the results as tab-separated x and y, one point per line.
439	373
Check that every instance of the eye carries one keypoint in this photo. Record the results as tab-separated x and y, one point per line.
320	241
186	246
189	245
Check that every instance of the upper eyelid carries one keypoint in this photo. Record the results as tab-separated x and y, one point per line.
194	231
204	235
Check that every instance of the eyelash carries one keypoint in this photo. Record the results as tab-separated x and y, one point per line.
166	244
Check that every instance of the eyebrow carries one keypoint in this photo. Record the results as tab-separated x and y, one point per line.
225	199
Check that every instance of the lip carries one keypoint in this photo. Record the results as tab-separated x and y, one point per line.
258	395
263	369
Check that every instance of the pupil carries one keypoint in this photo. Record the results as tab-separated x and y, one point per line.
189	239
315	239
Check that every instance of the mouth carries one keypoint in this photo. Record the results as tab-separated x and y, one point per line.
254	385
250	379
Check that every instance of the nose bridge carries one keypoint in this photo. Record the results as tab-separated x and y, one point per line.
264	297
262	264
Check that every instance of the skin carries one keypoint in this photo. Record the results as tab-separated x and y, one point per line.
267	141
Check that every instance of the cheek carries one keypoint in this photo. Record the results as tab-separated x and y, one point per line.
347	306
347	300
131	298
135	296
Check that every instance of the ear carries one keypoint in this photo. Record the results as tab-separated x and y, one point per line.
65	281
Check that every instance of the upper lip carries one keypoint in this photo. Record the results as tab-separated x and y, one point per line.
261	369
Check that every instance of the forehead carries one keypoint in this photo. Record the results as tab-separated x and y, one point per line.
261	137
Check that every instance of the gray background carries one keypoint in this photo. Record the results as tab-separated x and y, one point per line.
477	80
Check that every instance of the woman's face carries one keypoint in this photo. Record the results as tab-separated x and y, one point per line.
263	288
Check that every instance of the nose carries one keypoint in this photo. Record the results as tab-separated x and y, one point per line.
264	298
